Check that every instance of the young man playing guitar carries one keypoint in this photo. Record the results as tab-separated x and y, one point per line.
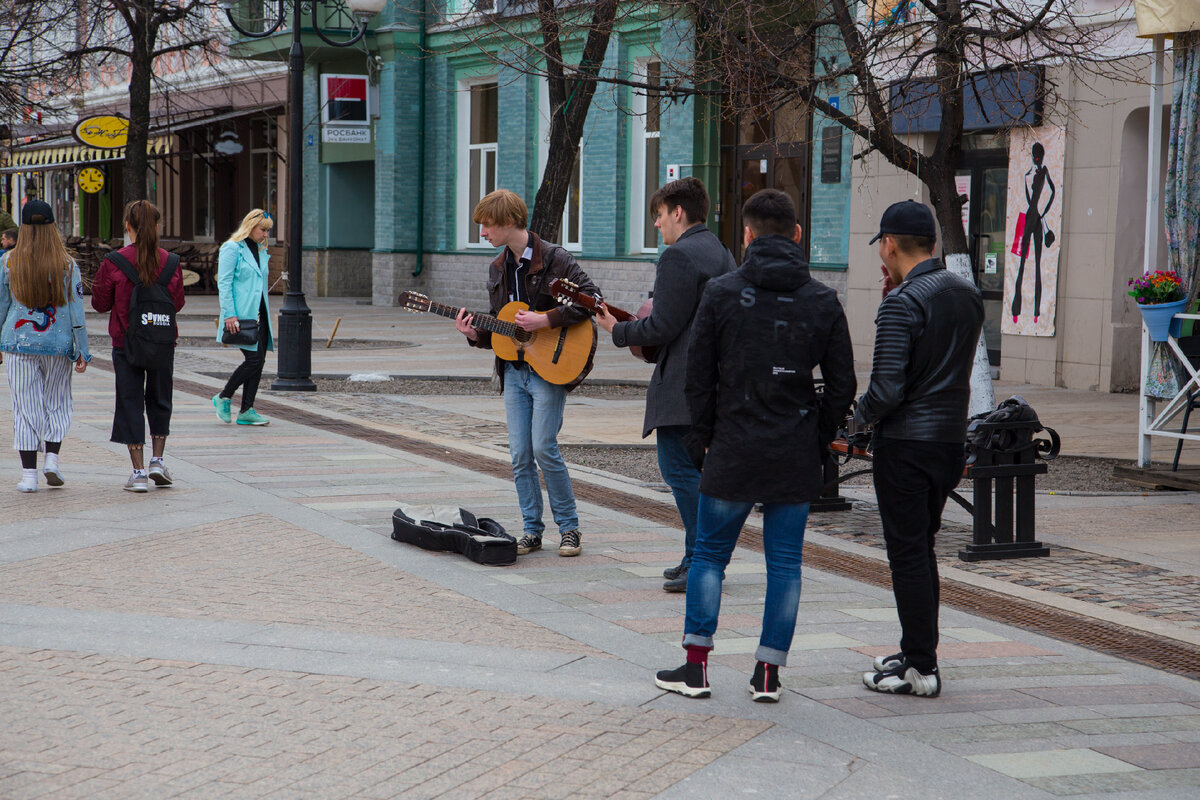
533	407
693	255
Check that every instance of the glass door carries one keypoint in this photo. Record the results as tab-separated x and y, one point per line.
983	176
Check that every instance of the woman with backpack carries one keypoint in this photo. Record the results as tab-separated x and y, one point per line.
41	304
242	284
146	276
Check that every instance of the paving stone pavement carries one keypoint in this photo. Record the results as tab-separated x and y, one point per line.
253	632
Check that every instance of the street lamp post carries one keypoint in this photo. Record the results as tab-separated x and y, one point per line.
295	318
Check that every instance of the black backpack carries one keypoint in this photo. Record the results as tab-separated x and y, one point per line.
150	340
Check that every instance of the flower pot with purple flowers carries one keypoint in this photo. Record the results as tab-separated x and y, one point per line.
1160	296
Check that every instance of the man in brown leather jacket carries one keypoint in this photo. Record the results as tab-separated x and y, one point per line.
926	332
533	407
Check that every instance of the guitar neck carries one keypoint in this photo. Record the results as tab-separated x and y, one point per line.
484	322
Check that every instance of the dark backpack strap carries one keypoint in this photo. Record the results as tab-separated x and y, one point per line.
168	271
126	268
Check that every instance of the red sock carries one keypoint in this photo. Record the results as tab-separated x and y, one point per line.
697	654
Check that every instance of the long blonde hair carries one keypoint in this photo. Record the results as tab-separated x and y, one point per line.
257	218
39	266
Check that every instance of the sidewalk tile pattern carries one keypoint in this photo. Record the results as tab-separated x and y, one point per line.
81	725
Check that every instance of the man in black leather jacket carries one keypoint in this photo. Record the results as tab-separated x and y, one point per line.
759	429
926	331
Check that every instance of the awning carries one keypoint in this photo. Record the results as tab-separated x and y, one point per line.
1166	17
56	154
61	152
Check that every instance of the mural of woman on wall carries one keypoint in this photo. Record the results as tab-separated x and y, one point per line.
1037	179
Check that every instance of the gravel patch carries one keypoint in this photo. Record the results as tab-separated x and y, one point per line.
1075	474
466	386
96	340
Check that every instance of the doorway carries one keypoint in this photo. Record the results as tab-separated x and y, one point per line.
983	177
753	159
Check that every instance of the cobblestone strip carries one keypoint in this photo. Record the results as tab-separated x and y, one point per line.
91	726
232	570
1104	580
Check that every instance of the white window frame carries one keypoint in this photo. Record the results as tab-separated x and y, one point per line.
544	155
463	188
637	169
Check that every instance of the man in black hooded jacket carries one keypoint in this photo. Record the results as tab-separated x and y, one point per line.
759	429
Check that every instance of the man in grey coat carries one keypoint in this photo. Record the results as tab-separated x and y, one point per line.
693	255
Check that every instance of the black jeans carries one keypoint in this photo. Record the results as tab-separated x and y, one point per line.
142	394
912	481
249	372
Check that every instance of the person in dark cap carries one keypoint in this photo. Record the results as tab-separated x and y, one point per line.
926	332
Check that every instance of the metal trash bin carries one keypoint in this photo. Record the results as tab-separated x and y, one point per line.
1003	465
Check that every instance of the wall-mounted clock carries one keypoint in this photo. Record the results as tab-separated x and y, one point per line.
91	179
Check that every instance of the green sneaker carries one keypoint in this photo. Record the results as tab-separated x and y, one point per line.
222	406
252	417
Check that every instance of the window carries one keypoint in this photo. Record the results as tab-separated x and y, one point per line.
203	188
570	232
264	167
645	167
478	115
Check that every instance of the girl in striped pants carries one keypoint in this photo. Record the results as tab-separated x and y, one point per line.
43	336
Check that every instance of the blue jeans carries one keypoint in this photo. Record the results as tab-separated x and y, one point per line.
720	522
684	479
534	409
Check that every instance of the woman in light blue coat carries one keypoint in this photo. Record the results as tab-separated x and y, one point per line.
242	283
44	335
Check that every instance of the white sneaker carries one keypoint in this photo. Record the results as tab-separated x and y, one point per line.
53	475
28	481
159	473
904	679
137	482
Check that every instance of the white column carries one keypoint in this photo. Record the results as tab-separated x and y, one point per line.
1153	226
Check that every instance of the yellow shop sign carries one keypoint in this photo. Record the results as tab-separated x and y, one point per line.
106	132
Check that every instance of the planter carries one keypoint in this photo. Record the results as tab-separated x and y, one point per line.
1158	318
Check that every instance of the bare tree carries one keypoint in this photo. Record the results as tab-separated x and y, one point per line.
34	67
897	60
532	37
135	33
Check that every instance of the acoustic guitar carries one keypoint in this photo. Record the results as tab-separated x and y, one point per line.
562	356
566	292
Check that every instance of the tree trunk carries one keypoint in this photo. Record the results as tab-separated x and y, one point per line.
570	100
947	207
141	67
551	196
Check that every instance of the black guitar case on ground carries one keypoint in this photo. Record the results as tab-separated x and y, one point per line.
455	530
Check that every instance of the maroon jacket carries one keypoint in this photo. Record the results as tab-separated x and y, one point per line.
111	291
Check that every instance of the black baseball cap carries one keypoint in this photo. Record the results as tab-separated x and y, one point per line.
36	212
908	218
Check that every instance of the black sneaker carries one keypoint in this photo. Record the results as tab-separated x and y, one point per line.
678	584
885	663
690	680
764	685
671	573
570	544
527	544
905	679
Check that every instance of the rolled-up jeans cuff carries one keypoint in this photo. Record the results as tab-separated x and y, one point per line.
697	640
769	655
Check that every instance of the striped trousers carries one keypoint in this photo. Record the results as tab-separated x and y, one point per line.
41	398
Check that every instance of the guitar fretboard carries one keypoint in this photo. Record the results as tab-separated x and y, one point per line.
484	322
